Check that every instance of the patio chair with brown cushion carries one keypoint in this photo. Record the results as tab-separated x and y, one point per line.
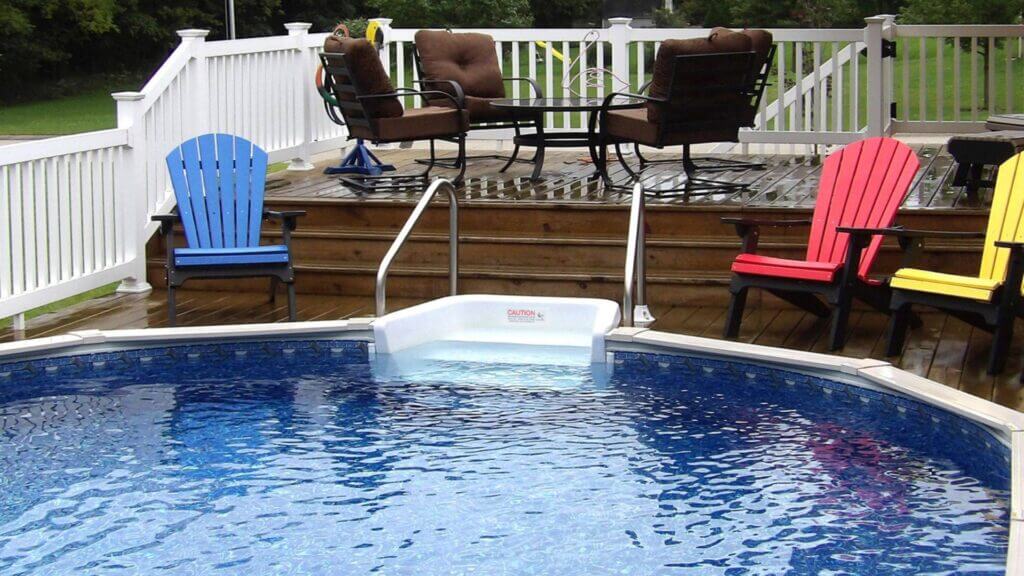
703	90
465	65
370	107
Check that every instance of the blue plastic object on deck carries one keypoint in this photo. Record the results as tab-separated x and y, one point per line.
360	161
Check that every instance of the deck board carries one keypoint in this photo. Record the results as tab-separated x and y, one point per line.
944	349
786	181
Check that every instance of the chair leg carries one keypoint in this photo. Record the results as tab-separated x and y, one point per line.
291	302
735	314
1001	338
462	160
898	329
840	324
274	281
622	160
515	148
172	308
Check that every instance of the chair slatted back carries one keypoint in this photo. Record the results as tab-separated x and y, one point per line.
219	181
1006	218
340	81
862	185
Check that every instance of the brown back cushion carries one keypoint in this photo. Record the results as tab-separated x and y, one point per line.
467	58
721	40
367	73
760	43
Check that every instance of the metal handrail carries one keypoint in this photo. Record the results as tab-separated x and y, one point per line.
403	235
636	257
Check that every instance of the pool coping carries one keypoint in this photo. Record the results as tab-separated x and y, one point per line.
1002	420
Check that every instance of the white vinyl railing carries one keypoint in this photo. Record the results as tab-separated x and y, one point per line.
75	210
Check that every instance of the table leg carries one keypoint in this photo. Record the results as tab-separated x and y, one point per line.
538	157
595	158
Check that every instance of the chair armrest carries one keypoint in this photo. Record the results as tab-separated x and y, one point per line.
645	86
537	92
907	233
286	217
164	218
426	94
611	97
166	222
459	94
1013	246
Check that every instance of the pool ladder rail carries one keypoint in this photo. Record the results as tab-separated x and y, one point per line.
635	272
638	315
380	292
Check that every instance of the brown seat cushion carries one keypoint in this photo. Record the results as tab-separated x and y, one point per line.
416	124
721	40
633	125
467	58
368	74
480	109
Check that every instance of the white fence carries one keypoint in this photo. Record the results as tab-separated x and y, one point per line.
75	210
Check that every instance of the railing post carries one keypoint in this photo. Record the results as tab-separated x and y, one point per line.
878	108
619	36
131	192
303	68
195	39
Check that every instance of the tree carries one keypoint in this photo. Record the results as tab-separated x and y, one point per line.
565	13
455	13
966	12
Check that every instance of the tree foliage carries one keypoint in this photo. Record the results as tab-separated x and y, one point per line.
455	13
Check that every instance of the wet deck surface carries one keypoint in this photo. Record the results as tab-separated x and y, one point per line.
944	349
568	177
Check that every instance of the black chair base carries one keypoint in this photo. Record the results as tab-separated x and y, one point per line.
693	186
392	182
703	164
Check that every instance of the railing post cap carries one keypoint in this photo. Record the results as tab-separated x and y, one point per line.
193	33
127	96
619	21
298	26
878	19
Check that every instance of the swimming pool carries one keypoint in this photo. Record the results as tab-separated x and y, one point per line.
301	449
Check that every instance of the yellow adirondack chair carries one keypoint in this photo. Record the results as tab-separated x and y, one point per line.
992	299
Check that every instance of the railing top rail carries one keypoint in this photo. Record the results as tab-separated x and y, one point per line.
779	34
252	45
960	30
380	292
514	34
62	145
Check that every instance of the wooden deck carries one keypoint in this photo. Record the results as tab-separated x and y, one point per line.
787	181
944	349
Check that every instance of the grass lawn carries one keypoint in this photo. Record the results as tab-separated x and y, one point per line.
95	293
92	109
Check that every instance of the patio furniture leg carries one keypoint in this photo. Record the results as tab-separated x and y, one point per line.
898	329
291	302
1001	338
625	165
735	314
840	323
538	157
172	311
462	160
515	149
274	280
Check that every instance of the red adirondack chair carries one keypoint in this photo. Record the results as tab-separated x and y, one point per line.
861	186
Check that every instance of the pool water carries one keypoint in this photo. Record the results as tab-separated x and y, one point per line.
306	458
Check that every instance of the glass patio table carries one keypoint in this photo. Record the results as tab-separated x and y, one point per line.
542	138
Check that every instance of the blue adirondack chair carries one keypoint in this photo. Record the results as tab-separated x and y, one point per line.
218	181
